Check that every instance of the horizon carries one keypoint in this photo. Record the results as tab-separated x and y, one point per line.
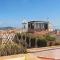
12	12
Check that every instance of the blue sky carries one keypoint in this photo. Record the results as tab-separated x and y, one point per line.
12	12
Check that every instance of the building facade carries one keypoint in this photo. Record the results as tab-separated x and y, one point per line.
37	26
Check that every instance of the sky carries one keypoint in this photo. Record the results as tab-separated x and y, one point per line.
13	12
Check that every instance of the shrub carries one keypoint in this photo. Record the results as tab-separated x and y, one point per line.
11	49
20	39
42	42
18	35
49	38
24	39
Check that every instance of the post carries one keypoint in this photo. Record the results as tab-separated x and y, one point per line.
36	43
30	42
25	41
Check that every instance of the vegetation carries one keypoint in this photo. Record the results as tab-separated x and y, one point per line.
41	40
11	49
49	38
21	42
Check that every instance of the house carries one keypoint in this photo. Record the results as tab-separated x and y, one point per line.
37	26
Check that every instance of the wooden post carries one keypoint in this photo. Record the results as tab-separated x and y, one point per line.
25	41
30	42
36	43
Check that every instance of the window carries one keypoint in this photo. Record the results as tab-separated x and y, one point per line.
46	26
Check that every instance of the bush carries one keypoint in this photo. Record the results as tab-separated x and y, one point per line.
24	39
49	38
33	41
18	35
11	49
20	39
42	42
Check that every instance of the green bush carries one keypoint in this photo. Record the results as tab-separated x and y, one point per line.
20	39
18	35
49	38
24	39
41	42
11	49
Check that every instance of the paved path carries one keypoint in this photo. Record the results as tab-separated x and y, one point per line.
31	57
48	51
32	50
